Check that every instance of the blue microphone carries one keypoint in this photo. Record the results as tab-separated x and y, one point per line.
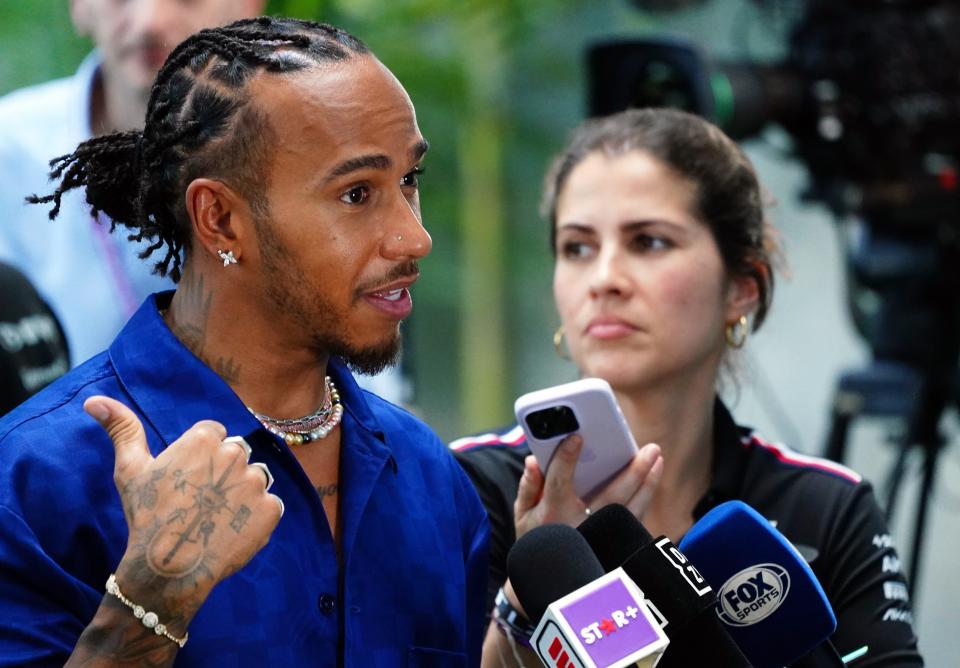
768	598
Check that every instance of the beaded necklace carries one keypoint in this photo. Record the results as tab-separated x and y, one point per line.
302	430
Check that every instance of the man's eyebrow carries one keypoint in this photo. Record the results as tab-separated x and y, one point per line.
373	161
417	150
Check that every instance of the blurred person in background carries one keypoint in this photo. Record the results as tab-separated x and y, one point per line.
663	266
93	280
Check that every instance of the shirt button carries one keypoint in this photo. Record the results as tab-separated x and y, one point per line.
327	604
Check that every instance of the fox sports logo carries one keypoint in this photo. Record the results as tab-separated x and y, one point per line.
753	594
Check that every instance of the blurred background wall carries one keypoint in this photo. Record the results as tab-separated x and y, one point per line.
497	85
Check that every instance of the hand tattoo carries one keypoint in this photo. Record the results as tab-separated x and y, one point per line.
147	495
179	546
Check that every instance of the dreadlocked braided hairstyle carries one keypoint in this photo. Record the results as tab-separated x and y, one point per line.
199	122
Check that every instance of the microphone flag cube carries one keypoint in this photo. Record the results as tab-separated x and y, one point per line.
604	624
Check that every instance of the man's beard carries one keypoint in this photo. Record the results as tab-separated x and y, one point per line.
369	361
293	296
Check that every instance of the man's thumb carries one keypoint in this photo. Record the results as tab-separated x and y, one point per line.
124	429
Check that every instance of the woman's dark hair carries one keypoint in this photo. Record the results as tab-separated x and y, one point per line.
200	122
728	198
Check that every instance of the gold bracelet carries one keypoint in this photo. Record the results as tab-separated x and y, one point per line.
146	617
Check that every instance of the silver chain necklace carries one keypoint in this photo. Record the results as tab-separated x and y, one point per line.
317	425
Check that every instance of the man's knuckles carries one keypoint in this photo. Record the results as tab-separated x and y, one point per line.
205	433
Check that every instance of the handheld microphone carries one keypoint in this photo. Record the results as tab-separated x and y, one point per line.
768	597
670	582
587	619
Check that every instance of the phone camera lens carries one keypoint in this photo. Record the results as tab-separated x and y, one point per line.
552	422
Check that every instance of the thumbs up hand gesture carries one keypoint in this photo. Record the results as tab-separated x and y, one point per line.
196	513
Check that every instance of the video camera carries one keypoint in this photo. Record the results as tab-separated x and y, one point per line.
869	91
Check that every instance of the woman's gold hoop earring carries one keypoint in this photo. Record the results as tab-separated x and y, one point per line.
737	333
558	343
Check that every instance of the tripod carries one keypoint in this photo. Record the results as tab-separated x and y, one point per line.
915	337
893	390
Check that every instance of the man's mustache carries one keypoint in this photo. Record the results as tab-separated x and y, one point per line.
406	270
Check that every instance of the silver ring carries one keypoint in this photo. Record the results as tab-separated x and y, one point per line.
266	472
239	440
282	507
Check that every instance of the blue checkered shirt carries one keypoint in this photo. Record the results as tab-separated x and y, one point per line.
410	591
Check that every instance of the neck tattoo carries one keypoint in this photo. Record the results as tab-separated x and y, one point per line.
317	425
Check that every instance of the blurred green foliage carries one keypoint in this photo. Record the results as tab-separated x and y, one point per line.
497	85
37	42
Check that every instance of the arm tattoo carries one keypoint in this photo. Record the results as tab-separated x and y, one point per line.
121	641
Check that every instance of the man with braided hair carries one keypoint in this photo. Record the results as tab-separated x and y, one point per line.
92	280
276	179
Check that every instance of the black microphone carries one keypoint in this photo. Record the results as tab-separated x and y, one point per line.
671	583
587	618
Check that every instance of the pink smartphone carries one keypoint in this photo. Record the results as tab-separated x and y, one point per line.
586	407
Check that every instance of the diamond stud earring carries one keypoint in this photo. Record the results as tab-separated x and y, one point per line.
227	257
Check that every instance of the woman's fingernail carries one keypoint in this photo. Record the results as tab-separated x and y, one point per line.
650	452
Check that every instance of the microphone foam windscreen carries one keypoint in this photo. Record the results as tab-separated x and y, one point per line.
547	563
614	534
767	596
619	539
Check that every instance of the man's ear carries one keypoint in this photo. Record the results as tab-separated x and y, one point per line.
220	217
81	15
743	294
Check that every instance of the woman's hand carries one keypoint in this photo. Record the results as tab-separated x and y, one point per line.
551	498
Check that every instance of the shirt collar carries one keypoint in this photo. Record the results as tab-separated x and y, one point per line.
174	389
353	397
729	462
83	81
